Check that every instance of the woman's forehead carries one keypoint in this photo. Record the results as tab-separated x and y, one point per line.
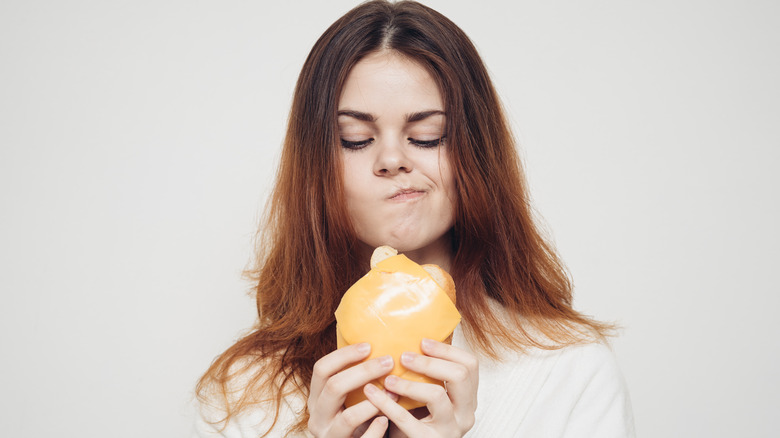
388	83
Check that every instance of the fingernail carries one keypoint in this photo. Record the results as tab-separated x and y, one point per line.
385	361
382	421
364	347
371	389
391	380
407	358
393	396
427	343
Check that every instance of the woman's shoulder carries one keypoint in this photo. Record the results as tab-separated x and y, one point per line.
587	357
589	361
581	361
549	388
577	390
588	384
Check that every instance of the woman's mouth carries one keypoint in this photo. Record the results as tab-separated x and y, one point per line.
406	195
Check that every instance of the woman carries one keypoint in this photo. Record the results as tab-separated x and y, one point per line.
396	137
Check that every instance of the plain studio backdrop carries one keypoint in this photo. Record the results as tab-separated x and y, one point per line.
139	141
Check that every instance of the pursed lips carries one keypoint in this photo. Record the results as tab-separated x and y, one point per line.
406	194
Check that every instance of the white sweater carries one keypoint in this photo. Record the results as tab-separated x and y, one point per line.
576	391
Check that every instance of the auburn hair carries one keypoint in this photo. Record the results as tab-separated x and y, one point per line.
307	248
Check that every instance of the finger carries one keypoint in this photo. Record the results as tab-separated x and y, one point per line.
336	361
459	368
353	417
434	396
335	390
448	352
377	428
435	368
461	384
394	412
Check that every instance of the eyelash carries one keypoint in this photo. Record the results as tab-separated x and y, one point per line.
423	144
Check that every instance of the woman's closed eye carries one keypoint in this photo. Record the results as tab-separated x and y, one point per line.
355	145
360	144
427	143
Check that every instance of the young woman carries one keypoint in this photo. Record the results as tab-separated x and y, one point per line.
396	137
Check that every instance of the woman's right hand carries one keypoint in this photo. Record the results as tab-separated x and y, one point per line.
332	379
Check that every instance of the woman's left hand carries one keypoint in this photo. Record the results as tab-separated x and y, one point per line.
451	411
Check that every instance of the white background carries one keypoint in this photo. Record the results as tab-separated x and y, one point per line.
138	140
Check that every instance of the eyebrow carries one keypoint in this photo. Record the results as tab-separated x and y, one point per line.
410	118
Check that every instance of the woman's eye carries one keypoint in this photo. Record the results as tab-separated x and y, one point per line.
427	143
355	145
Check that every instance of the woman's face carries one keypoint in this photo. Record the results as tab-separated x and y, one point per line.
397	175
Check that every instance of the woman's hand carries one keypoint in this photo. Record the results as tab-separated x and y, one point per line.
330	384
451	411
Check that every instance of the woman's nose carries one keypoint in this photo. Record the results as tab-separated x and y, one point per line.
391	159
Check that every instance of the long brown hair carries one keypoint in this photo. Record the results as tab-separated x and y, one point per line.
306	251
